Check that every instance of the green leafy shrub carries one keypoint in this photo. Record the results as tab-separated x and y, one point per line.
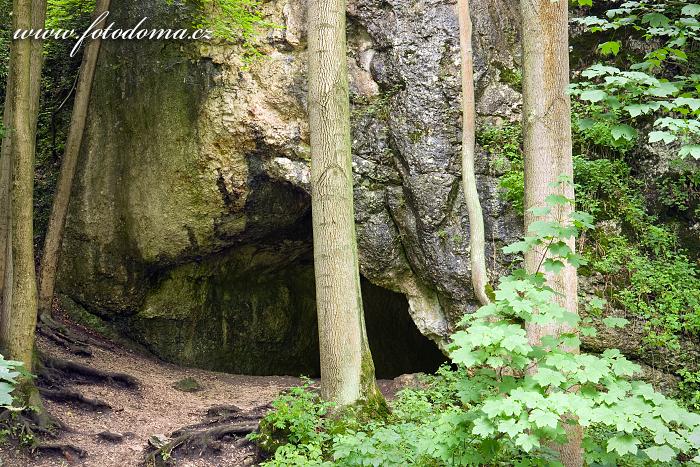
664	289
660	88
689	388
600	134
680	190
509	400
297	418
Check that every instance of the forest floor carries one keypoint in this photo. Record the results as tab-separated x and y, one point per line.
130	417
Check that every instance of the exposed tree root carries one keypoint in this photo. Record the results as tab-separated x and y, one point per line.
28	423
226	414
221	422
56	371
69	451
32	417
62	336
66	395
221	410
35	429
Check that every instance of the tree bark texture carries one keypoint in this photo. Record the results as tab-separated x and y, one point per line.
347	370
477	241
548	154
20	294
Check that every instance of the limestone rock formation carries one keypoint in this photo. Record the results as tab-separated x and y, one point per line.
190	224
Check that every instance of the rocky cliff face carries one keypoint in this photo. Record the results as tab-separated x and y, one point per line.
190	224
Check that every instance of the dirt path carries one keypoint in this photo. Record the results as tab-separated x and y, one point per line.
156	407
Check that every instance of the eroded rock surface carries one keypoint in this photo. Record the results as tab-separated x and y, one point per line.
190	224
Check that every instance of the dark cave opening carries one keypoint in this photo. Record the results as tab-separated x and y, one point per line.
268	326
397	345
251	308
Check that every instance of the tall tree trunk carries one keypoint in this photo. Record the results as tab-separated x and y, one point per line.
477	242
347	370
5	181
547	148
20	294
59	211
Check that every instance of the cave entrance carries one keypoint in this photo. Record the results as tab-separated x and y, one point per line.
397	345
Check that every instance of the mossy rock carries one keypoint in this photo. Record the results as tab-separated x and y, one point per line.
188	384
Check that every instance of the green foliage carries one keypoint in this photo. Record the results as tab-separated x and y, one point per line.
297	418
652	276
69	14
689	388
9	371
504	147
528	408
663	85
13	403
680	191
663	289
606	190
232	20
598	133
512	77
509	399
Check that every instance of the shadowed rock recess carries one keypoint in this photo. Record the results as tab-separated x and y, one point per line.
189	230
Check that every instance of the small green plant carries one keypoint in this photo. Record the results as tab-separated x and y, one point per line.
297	418
188	384
506	158
680	190
689	388
9	371
512	77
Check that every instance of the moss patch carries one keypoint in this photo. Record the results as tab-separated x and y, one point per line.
188	385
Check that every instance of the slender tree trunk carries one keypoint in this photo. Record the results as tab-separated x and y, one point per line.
347	370
548	154
35	67
59	211
477	242
5	181
20	300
